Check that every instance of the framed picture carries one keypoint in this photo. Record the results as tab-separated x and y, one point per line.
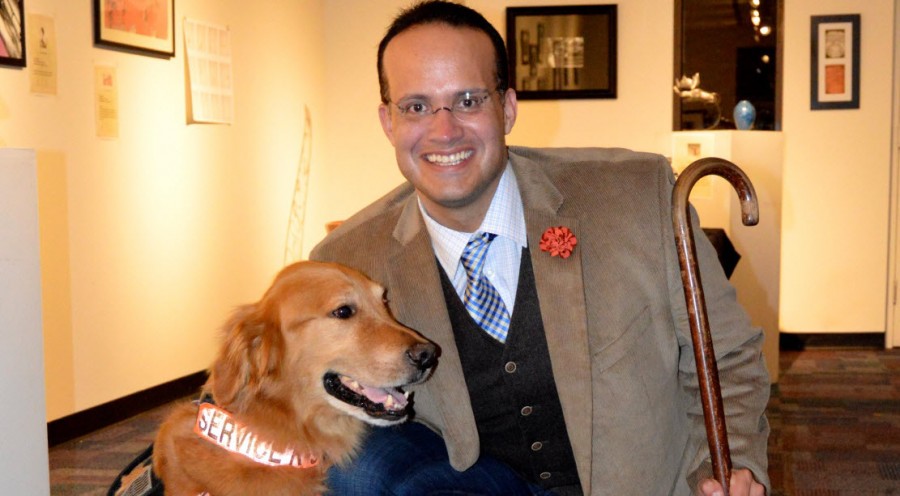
140	26
562	52
835	62
12	33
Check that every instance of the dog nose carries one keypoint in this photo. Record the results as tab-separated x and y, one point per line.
422	355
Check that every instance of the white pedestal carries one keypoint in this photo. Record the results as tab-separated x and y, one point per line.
23	423
760	154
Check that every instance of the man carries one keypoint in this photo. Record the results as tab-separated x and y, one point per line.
566	363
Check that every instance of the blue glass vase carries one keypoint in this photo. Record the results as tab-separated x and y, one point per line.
744	115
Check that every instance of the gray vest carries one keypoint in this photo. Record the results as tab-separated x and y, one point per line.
512	389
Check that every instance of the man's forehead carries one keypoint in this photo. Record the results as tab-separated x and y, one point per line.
434	36
437	60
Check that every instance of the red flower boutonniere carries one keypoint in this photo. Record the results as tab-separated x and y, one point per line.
558	241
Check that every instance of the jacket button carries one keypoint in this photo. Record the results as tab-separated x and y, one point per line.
526	411
536	446
510	367
545	475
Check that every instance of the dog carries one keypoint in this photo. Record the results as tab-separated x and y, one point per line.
298	376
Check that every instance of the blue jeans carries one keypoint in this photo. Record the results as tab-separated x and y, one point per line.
411	460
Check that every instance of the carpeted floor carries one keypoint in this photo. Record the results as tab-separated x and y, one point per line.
835	417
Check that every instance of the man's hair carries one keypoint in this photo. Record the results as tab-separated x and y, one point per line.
451	14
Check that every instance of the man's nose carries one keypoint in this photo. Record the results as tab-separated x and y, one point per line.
445	125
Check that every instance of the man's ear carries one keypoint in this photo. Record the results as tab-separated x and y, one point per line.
384	115
510	110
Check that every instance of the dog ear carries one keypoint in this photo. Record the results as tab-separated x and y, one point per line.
249	357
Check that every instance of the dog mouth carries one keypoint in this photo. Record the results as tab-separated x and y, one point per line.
389	404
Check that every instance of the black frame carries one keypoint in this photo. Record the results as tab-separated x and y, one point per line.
853	65
592	46
147	46
11	22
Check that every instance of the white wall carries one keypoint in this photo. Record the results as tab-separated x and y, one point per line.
836	181
360	164
149	240
152	238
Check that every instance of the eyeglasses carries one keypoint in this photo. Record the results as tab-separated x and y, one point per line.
466	106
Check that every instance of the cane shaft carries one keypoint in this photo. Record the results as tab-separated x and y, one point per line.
704	355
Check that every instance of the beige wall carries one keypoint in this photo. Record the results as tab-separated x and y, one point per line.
360	161
836	181
150	239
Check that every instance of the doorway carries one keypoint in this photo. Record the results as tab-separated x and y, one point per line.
892	339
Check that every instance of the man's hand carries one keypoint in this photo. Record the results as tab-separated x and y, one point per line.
742	484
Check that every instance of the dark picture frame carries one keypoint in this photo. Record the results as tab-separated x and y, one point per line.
562	52
834	78
123	25
12	33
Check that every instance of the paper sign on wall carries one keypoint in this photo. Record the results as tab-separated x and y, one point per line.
208	48
41	54
106	101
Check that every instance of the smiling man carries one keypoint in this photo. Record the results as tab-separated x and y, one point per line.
549	279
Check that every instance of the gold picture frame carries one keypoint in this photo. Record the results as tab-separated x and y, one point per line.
146	27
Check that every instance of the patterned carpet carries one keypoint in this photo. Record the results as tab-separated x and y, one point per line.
835	419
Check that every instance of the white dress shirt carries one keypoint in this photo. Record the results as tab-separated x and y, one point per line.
505	218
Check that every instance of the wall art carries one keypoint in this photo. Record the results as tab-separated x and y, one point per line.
12	33
141	26
835	62
562	52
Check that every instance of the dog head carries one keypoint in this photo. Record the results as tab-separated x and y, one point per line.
322	335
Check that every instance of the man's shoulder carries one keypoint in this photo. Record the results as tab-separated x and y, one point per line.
591	166
366	229
604	157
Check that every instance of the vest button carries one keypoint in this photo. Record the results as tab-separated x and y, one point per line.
536	446
510	367
526	411
544	475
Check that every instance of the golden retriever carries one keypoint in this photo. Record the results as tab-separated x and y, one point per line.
297	376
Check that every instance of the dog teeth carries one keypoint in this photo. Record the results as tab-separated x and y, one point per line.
389	402
406	394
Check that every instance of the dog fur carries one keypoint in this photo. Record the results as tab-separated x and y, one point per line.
278	360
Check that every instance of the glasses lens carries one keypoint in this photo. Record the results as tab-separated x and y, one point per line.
466	106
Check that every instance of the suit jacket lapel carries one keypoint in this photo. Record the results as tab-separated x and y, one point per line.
560	289
419	302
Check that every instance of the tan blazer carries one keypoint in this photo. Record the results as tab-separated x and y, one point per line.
614	314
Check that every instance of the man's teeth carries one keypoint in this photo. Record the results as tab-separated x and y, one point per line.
451	159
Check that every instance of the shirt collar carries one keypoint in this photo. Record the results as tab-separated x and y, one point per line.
505	218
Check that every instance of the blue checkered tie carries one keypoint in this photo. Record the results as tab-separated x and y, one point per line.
482	299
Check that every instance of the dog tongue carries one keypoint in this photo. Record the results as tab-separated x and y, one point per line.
378	395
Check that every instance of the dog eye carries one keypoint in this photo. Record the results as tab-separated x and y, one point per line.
343	312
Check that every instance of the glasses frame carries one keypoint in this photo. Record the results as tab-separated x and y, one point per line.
460	115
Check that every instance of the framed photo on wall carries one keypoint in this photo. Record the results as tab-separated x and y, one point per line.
141	26
835	62
12	33
562	52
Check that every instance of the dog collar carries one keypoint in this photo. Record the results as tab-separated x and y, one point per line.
220	428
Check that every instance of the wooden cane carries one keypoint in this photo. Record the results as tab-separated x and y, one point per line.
707	371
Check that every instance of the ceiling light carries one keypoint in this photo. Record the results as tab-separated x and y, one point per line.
765	30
